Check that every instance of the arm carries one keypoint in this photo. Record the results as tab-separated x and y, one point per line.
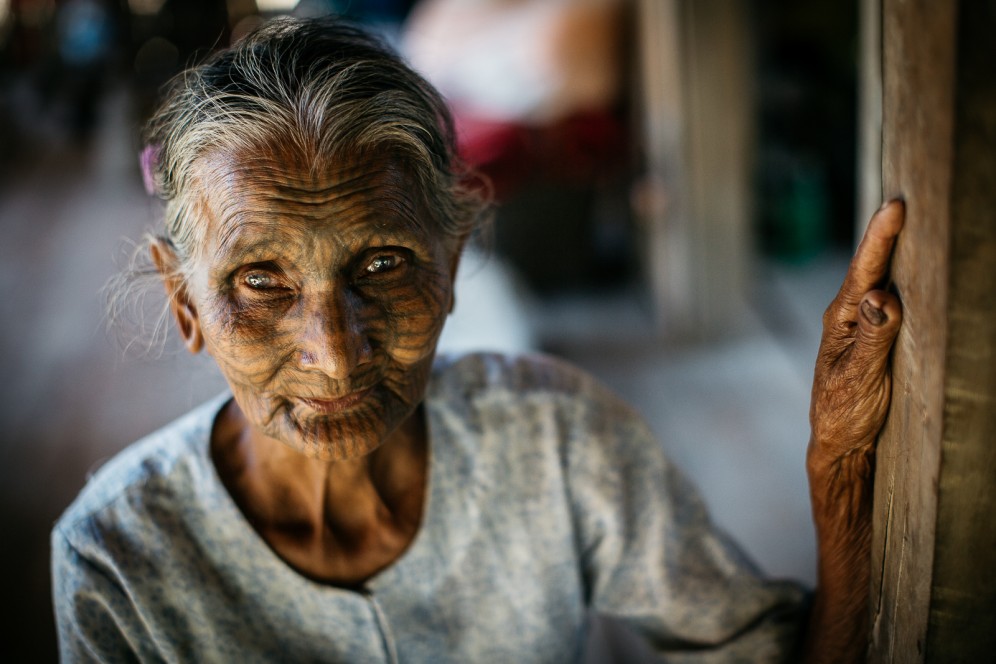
851	393
652	560
91	610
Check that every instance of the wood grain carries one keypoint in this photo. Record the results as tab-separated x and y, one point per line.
917	125
963	589
933	540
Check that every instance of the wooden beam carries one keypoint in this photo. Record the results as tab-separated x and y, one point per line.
696	94
934	541
962	625
662	207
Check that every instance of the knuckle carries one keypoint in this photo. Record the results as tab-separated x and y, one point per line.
830	314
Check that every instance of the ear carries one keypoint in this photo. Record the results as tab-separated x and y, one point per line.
184	311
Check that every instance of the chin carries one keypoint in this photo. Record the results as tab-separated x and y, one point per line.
324	451
331	438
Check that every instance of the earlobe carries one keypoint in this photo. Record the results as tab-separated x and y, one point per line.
184	311
188	323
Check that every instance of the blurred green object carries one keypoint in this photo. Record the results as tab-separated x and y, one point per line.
795	219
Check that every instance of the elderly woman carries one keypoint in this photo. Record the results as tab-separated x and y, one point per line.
355	500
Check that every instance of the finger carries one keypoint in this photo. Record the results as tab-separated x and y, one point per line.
878	324
871	260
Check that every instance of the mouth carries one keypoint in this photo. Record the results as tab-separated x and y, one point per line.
338	404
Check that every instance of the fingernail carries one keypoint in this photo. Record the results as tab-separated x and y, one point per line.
873	314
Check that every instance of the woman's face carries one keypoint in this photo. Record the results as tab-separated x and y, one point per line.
320	296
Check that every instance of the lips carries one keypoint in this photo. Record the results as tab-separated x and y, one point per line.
336	405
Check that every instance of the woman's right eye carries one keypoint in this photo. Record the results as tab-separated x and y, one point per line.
259	280
263	279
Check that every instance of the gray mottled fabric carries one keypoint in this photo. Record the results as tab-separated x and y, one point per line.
547	498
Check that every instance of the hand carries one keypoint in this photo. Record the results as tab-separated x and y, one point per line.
851	393
852	386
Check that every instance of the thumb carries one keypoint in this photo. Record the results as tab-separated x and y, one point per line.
879	318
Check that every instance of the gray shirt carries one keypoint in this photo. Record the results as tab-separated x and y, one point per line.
547	498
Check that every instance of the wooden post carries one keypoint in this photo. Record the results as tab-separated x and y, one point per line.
696	88
934	541
662	207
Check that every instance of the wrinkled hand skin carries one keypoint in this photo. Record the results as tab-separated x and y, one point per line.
851	393
852	385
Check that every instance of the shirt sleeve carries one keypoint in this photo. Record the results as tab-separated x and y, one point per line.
93	615
652	559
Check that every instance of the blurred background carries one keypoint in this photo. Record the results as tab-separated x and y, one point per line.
678	195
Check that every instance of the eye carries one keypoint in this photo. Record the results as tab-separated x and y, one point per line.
263	278
384	263
259	280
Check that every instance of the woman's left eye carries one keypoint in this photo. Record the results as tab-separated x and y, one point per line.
384	263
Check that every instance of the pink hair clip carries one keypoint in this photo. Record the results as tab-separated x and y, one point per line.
148	160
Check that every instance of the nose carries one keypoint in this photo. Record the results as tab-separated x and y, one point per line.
334	339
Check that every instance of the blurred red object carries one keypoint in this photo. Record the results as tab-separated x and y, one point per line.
582	148
534	85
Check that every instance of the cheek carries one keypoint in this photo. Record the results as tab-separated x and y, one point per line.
247	343
416	319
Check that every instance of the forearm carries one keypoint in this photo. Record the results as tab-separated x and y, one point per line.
851	391
841	492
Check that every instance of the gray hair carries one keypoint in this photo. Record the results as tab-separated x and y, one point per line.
327	90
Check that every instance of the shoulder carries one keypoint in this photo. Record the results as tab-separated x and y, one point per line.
527	402
519	378
124	485
132	555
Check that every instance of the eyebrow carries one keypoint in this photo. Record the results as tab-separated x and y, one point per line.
236	244
232	242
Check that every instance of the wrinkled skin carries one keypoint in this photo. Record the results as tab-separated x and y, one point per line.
321	299
852	384
851	393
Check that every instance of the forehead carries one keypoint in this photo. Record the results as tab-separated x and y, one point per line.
273	196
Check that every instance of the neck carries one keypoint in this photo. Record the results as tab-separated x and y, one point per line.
331	519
